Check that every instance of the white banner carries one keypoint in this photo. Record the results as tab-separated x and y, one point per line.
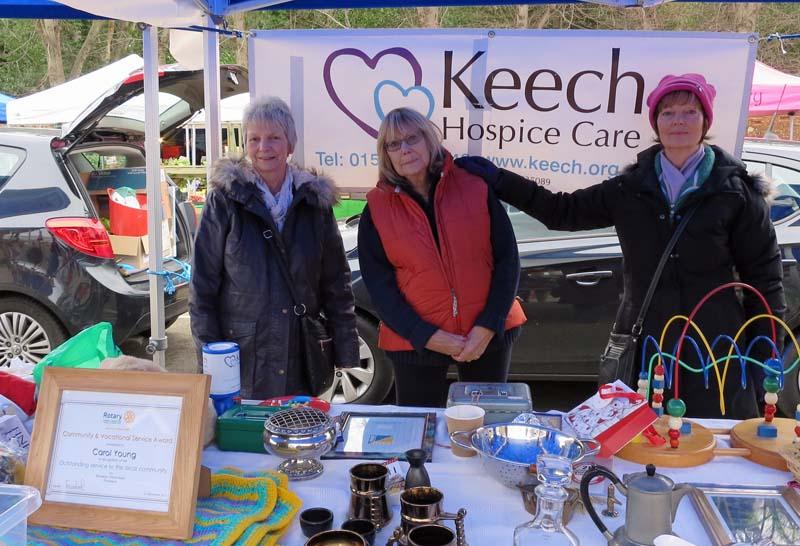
566	108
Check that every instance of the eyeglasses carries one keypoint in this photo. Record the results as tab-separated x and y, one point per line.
410	140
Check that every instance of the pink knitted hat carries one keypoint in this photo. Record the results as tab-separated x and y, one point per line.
696	83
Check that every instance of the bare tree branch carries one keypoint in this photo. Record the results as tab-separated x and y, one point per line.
522	16
240	48
331	17
428	17
86	47
50	31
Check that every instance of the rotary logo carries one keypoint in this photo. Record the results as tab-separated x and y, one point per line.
129	417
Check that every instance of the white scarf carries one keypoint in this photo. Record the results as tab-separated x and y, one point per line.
278	205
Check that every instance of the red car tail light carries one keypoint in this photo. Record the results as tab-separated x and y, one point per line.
86	235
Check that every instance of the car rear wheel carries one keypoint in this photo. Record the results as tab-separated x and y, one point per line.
27	331
371	381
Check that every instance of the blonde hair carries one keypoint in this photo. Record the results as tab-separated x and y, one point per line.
679	98
405	121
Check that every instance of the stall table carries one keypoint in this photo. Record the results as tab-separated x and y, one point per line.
493	510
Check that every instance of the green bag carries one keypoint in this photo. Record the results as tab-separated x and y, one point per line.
86	349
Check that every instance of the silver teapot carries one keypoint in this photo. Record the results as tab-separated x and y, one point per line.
652	502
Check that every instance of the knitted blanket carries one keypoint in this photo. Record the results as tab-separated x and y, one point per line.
244	509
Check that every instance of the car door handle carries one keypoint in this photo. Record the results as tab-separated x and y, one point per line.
588	278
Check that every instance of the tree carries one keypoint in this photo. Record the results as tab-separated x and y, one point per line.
50	32
88	43
428	17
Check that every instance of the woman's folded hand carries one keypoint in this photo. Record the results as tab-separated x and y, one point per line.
446	343
477	340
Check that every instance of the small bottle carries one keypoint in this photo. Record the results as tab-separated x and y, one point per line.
547	526
417	475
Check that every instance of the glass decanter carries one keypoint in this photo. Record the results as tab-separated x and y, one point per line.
547	526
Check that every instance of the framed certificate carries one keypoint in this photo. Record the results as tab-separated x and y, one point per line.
383	435
118	450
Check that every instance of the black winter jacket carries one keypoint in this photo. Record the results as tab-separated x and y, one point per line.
238	292
731	230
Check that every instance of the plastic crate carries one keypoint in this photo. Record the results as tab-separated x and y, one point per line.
17	502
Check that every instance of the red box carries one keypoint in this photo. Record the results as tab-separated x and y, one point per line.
128	221
169	151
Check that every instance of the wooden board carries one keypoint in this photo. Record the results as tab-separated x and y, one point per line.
764	451
694	449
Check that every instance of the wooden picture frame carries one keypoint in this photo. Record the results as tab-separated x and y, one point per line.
147	398
736	513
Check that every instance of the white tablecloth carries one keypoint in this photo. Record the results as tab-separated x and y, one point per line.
493	510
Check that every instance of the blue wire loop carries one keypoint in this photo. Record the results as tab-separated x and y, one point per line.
772	366
172	277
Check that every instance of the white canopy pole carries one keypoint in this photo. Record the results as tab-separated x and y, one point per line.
212	93
152	149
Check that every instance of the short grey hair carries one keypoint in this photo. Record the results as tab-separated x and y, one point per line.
270	110
407	120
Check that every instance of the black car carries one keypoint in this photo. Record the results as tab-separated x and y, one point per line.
571	286
58	274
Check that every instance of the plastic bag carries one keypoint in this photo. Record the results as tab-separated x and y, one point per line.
12	462
126	196
86	349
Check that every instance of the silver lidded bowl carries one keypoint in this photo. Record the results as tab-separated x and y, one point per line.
509	450
301	436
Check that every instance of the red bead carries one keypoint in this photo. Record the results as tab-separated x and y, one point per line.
770	408
674	433
797	430
674	443
658	397
659	370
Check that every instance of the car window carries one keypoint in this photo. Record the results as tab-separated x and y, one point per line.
10	160
103	160
527	227
787	182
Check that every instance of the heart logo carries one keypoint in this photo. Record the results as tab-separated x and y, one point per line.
371	62
406	92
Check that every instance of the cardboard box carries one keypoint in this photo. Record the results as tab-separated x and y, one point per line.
135	251
134	177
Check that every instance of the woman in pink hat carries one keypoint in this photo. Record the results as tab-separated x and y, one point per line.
729	234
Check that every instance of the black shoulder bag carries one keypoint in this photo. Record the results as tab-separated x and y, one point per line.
315	342
618	360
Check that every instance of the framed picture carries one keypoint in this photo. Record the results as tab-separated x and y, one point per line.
118	451
733	513
367	435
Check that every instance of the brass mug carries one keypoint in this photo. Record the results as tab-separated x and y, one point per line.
431	535
368	494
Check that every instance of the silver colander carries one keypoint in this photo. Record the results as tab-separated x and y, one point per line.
508	451
301	436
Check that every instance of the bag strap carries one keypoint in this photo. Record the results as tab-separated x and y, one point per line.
637	326
273	238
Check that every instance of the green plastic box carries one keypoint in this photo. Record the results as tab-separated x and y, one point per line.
241	428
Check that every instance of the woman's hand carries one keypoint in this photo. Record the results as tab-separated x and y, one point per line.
446	343
480	166
477	340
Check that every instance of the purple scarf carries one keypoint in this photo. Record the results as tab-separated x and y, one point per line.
673	177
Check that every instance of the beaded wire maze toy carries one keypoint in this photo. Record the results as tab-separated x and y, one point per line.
757	439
